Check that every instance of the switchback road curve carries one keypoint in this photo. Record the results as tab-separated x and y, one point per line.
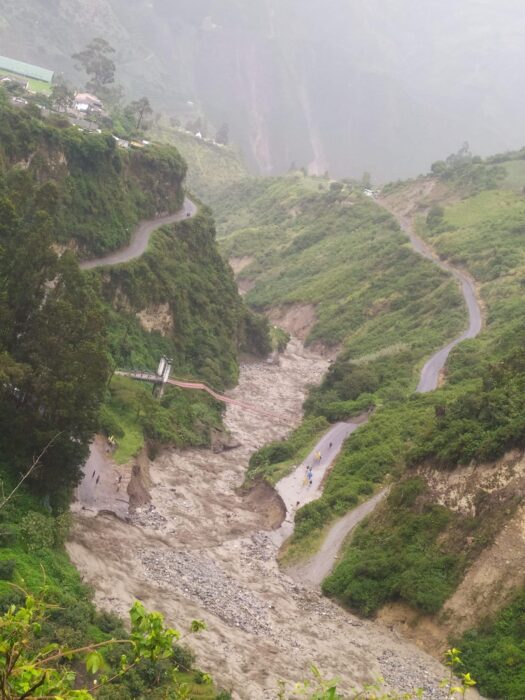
141	237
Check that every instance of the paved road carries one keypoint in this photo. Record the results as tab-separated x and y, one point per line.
104	486
320	565
316	569
429	378
294	488
140	238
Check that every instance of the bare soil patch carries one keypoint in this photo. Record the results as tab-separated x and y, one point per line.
157	318
202	549
238	264
296	319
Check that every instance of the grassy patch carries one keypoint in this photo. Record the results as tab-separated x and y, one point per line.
292	553
182	418
495	653
38	86
416	551
515	178
277	459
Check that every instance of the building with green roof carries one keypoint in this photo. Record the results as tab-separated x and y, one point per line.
10	65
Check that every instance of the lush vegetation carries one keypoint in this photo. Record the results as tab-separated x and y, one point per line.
323	244
92	195
62	333
403	561
211	166
414	550
97	191
53	353
183	269
495	652
274	460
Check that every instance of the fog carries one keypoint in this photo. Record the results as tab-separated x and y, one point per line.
385	86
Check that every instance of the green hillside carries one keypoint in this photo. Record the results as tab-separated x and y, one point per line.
95	192
326	245
64	330
413	549
306	241
211	166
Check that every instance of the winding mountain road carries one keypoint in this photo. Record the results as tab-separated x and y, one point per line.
319	566
429	378
140	238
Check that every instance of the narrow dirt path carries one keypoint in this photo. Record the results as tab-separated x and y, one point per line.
140	238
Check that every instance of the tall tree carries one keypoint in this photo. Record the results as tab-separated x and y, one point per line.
141	110
53	354
96	62
62	96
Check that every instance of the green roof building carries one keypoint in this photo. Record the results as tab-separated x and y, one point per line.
25	69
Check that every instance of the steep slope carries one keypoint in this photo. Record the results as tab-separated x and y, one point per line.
211	166
448	540
351	87
94	191
63	330
323	256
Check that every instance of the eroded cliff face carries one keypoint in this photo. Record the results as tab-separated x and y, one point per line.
490	494
386	88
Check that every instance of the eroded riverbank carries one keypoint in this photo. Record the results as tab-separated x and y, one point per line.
203	551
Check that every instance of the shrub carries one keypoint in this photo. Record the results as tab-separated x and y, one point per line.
37	531
7	569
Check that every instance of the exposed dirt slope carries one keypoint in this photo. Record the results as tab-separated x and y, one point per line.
199	551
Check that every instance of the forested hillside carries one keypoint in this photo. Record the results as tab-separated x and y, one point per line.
64	194
457	453
454	457
94	191
348	87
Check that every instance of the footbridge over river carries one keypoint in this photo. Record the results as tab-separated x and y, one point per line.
161	378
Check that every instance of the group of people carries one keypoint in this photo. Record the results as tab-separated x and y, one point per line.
309	475
309	469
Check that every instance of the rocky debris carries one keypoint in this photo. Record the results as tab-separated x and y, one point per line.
137	491
408	677
258	548
147	516
199	578
223	441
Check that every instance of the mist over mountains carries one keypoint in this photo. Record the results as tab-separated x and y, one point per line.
339	85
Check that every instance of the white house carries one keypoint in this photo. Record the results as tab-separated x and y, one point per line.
84	102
